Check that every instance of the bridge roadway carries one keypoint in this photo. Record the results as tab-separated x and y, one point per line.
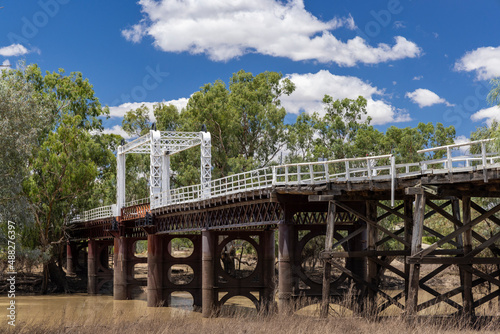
366	203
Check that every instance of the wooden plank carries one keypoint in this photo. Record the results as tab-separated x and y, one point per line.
486	298
392	211
414	191
454	260
439	235
389	213
371	222
437	294
433	273
335	255
439	298
367	284
408	228
330	227
384	240
462	229
458	223
388	266
481	247
372	236
416	245
348	237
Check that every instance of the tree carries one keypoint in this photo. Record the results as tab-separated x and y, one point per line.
24	116
63	166
246	122
63	169
405	142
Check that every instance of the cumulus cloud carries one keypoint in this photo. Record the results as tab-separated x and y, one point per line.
485	62
420	77
227	29
462	140
13	50
117	130
5	65
426	98
488	114
312	87
121	110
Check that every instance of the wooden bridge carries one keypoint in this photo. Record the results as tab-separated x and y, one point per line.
374	213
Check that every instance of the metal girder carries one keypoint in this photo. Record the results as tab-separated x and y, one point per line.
160	145
168	141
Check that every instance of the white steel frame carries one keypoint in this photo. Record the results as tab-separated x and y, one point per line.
161	145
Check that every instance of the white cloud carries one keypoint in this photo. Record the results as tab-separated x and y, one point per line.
312	87
462	140
117	130
227	29
13	50
420	77
484	61
489	114
426	98
121	110
5	65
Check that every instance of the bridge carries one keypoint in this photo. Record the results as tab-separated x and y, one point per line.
372	213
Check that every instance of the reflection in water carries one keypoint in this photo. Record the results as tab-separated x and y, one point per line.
82	309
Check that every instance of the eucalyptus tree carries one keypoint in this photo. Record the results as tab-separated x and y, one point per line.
62	167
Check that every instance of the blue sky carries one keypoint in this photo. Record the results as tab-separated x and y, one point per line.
415	61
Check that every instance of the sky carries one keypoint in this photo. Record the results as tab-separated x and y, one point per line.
414	61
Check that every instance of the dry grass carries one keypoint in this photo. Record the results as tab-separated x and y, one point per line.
273	324
240	321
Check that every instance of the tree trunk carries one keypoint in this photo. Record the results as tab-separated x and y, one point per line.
58	277
45	279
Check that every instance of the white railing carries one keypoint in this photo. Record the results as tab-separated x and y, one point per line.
100	213
368	168
137	202
465	162
351	169
177	196
246	181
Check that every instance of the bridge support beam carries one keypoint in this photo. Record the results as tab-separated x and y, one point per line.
92	265
208	278
268	271
123	269
70	253
155	271
416	246
285	264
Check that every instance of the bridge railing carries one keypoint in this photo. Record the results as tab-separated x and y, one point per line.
480	155
137	202
351	169
246	181
99	213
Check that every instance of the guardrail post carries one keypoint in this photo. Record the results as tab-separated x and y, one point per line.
311	173
347	173
483	156
393	178
449	161
274	176
369	168
327	173
298	174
